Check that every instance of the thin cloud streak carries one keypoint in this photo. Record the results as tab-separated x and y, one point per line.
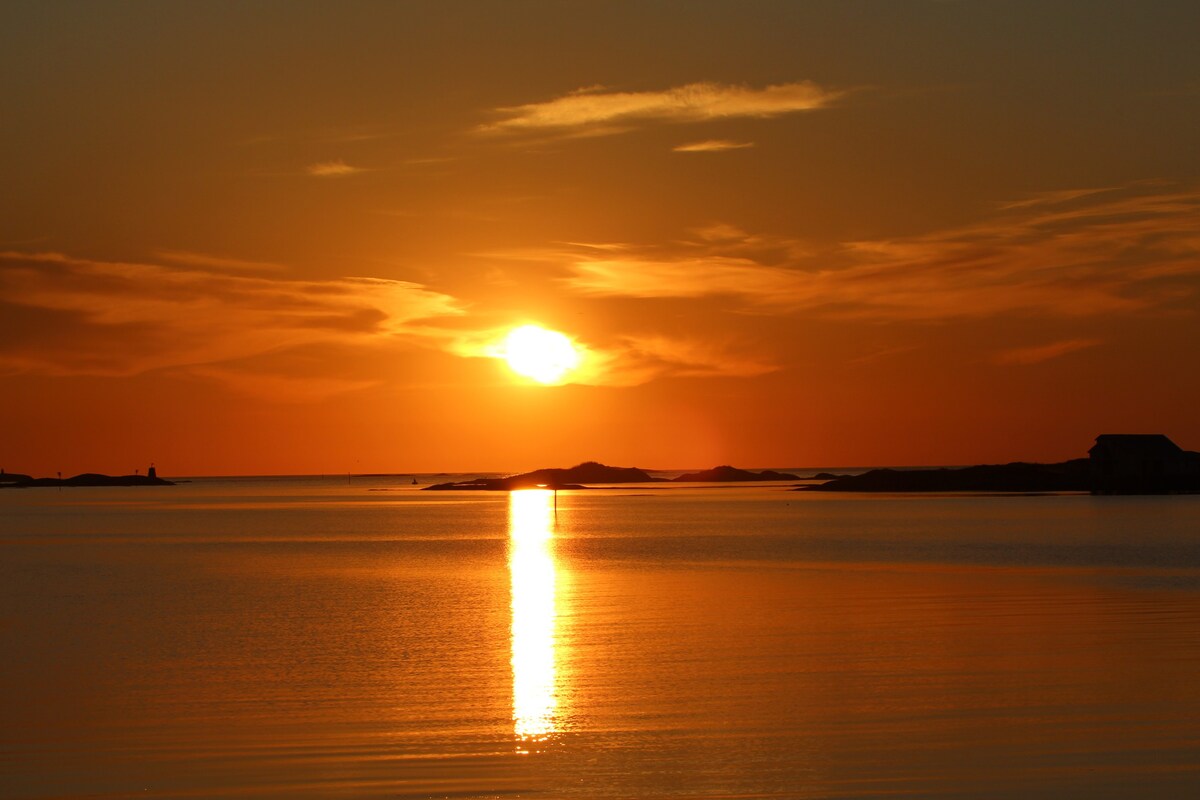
213	262
646	357
1036	354
332	169
1069	254
695	102
711	146
681	277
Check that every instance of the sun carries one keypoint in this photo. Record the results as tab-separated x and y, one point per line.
545	356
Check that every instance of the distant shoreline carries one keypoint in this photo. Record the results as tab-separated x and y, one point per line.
1116	464
20	481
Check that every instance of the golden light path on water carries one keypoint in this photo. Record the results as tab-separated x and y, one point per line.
534	614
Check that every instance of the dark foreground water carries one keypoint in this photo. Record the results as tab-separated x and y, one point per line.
306	638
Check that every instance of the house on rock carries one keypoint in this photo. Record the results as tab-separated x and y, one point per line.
1141	463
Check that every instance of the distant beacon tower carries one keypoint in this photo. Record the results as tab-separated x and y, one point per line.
150	473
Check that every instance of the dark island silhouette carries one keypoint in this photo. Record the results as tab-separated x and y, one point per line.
594	472
726	473
1116	464
555	478
14	480
1068	476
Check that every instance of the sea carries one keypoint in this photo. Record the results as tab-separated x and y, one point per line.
356	637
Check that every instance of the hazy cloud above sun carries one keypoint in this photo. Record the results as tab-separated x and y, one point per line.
607	111
1068	253
216	262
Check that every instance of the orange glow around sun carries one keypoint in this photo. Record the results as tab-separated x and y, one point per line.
543	355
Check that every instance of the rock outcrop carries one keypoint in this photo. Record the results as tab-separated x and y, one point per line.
1068	476
554	478
725	473
1116	464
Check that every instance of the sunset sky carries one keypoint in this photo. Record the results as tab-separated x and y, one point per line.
242	238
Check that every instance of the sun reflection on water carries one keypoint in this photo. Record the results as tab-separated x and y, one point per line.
534	616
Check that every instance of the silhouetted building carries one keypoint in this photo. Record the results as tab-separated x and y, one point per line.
1141	463
151	473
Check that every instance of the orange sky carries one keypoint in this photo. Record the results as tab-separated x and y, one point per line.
281	238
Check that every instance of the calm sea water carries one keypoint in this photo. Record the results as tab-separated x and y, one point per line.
309	638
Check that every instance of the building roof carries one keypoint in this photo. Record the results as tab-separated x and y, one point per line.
1144	444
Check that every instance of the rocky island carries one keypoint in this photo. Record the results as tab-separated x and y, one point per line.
555	478
594	472
1116	464
726	473
1068	476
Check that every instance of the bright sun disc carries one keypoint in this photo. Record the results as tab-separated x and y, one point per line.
545	356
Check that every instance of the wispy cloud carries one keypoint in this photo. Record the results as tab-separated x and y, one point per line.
711	146
80	316
682	277
332	169
641	358
213	262
607	111
1067	253
1044	352
1052	198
